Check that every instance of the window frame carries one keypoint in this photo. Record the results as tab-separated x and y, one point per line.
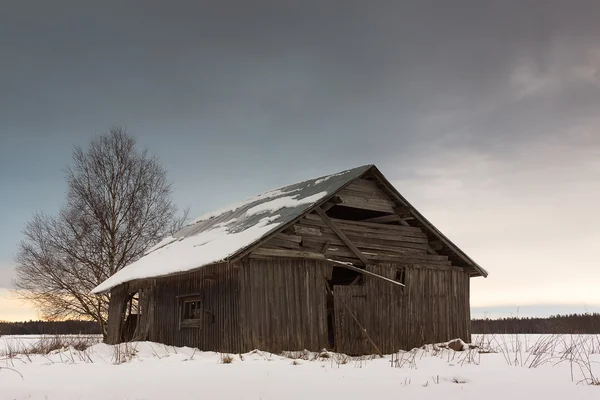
185	301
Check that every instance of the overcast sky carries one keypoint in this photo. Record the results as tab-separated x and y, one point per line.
483	114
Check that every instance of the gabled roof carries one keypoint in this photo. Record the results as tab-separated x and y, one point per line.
227	233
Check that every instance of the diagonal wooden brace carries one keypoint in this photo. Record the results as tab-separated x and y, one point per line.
342	235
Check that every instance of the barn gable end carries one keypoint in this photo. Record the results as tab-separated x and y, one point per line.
377	225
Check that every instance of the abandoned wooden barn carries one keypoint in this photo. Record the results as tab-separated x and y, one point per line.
341	262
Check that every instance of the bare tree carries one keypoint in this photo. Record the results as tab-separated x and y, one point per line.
118	206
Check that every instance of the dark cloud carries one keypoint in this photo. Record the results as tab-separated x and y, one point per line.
223	91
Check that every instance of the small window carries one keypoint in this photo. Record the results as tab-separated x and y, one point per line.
192	313
401	275
192	309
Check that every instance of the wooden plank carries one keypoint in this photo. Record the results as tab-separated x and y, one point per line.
370	224
263	252
341	235
406	230
306	230
374	257
366	241
354	229
365	204
363	185
390	249
377	196
285	244
383	234
357	230
291	238
287	300
118	298
383	219
394	239
315	244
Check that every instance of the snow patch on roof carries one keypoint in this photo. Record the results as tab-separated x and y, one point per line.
284	202
162	243
241	204
326	178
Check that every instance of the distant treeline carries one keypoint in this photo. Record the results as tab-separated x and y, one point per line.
49	328
573	323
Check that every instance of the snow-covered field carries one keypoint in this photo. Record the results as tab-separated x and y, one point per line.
504	367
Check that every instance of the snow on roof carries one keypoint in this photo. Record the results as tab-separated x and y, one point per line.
287	202
222	234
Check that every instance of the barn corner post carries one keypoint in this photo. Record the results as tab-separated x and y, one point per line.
116	314
467	294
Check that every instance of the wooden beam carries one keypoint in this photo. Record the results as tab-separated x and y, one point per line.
334	201
363	271
341	235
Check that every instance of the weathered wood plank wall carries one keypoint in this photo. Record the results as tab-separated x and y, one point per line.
378	242
272	305
283	304
280	304
218	286
351	305
433	307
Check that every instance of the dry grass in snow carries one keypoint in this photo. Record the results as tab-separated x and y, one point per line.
494	367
